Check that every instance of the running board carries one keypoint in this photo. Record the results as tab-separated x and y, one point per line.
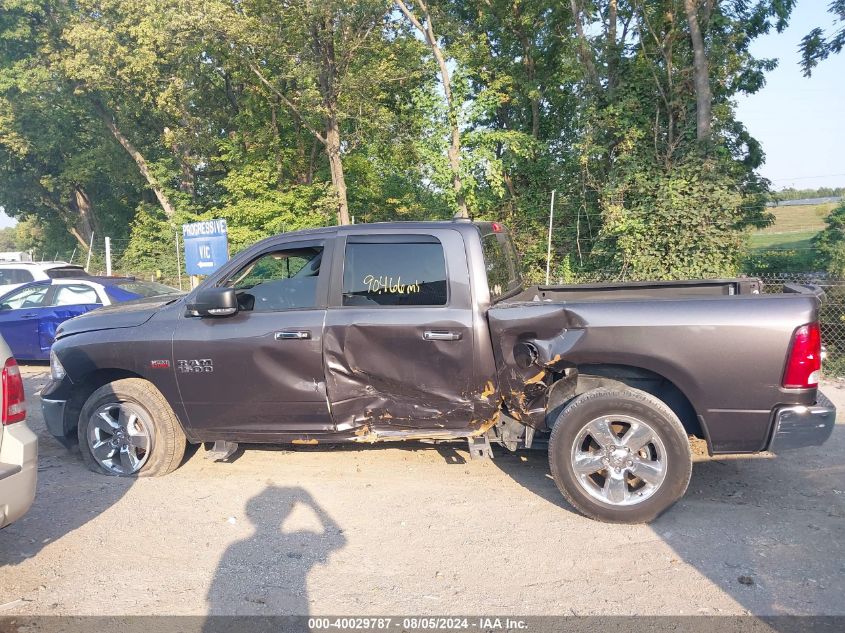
222	450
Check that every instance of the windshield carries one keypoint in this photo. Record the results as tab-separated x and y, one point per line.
146	288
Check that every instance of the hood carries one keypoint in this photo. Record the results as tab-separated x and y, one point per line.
118	315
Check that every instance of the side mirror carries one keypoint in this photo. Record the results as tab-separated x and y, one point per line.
5	306
214	302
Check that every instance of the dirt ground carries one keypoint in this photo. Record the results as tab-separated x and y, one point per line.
421	530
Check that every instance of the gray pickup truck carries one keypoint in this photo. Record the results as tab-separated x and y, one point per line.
426	331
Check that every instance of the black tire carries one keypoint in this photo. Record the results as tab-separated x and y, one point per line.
165	437
631	403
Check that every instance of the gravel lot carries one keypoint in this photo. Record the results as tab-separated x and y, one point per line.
419	529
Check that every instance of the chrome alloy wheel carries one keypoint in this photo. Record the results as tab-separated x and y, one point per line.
619	460
120	438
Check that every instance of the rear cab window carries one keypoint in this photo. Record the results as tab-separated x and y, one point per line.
10	276
66	272
394	270
501	262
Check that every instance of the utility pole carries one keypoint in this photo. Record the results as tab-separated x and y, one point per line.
90	247
549	247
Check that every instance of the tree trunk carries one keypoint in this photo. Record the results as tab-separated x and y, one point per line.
85	221
531	76
585	54
336	168
322	35
611	49
454	151
139	159
69	213
701	73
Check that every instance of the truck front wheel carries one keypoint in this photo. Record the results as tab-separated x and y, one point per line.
126	428
620	455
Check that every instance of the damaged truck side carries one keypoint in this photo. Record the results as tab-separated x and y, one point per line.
426	331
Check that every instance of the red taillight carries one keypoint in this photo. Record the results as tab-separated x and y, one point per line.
803	366
497	228
14	405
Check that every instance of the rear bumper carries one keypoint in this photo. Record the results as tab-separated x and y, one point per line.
18	471
800	426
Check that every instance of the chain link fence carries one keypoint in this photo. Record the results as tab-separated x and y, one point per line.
166	267
831	316
169	268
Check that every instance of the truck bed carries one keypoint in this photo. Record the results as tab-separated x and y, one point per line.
639	290
721	343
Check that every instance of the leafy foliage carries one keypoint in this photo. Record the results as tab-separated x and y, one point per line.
830	243
818	45
128	117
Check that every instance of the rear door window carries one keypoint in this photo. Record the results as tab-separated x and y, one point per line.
74	295
410	271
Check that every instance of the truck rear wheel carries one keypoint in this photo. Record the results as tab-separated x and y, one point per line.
620	455
127	428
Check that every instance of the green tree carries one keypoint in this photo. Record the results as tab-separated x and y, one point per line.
8	241
56	164
830	243
818	45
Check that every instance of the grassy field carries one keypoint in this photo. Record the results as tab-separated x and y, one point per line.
793	228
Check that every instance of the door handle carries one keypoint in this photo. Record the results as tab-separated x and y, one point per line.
293	335
430	335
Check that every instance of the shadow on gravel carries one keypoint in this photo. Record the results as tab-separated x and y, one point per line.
68	494
293	533
770	533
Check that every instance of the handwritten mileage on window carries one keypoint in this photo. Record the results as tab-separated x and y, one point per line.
386	285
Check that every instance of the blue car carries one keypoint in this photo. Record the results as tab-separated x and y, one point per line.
30	314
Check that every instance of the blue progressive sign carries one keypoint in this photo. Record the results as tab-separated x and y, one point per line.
206	246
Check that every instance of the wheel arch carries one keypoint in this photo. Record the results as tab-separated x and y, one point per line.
587	376
82	390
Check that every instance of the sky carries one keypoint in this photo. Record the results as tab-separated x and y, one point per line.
798	120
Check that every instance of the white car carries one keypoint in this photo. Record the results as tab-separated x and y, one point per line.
18	444
14	274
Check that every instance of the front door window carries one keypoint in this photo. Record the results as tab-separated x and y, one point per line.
280	280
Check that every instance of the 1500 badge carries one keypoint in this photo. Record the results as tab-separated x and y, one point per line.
195	366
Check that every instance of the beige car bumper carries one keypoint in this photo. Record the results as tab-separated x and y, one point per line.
18	471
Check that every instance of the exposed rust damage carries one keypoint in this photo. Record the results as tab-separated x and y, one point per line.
482	426
377	393
301	440
368	435
536	378
530	356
